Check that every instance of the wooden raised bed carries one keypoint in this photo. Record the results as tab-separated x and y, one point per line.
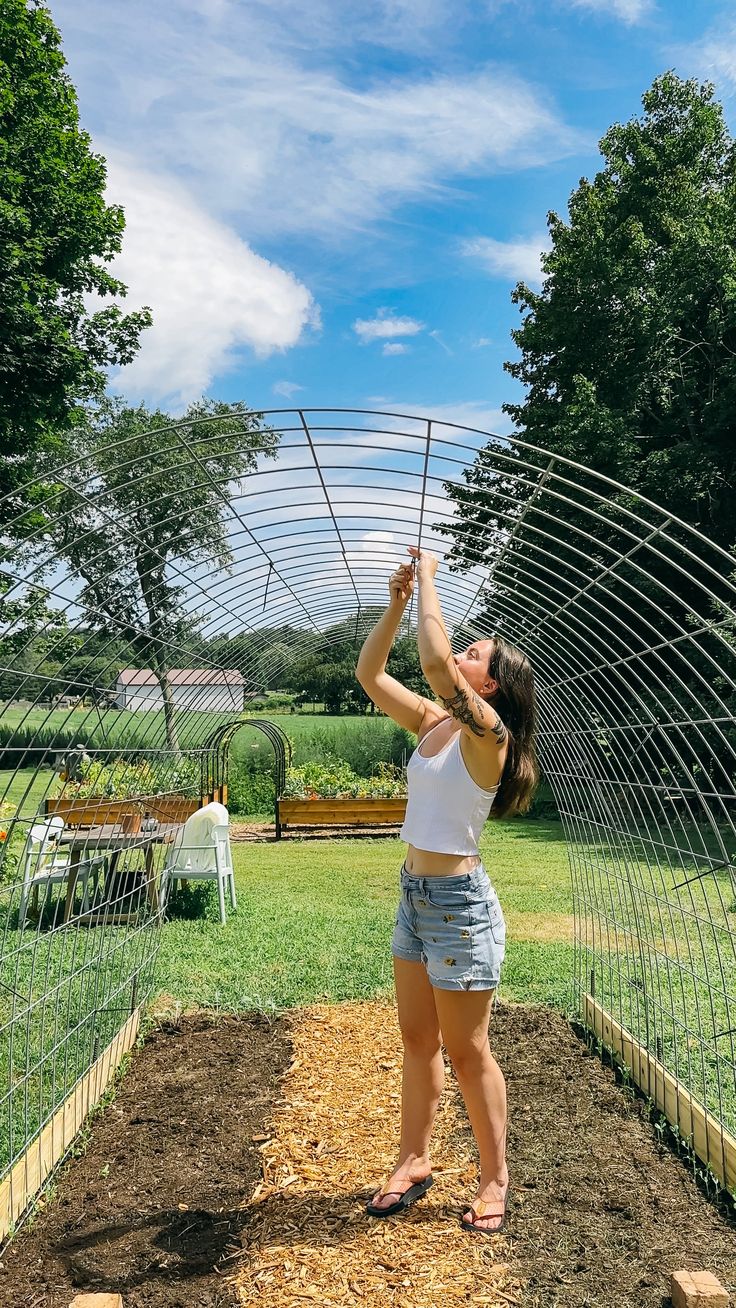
95	811
338	812
171	808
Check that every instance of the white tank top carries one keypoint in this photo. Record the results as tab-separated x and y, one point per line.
446	809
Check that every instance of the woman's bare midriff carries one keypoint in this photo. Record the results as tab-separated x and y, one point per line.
425	863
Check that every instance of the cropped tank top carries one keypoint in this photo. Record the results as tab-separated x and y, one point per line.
446	809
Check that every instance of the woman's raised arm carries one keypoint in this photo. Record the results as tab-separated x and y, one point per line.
404	706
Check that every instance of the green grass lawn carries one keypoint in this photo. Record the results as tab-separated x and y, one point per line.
26	789
314	922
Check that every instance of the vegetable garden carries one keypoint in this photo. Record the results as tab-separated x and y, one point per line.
621	889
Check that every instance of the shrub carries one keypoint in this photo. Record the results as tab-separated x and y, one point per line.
249	791
363	744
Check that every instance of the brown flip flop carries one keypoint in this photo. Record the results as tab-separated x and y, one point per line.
482	1208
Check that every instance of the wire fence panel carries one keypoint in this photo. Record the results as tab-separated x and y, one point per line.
163	580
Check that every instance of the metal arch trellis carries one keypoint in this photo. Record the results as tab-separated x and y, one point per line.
628	615
217	748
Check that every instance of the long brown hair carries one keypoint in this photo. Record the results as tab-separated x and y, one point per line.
515	701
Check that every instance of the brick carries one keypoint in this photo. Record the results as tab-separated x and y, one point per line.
697	1290
97	1301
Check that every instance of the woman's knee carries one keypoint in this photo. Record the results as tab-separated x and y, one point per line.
421	1041
470	1057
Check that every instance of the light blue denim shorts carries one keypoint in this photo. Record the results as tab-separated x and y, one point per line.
454	926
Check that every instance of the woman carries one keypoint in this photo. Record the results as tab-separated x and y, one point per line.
449	936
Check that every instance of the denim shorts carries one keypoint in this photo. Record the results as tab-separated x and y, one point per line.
454	926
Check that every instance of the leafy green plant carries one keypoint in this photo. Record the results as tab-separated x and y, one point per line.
12	840
335	779
123	780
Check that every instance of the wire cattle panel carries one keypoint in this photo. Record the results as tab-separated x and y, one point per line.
627	614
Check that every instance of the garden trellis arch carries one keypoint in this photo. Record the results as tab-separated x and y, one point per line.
218	753
628	615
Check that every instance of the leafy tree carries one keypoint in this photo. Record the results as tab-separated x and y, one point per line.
628	353
149	495
327	673
56	235
34	640
628	359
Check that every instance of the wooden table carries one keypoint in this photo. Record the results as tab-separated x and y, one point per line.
79	840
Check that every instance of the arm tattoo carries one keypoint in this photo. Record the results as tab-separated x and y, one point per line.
461	709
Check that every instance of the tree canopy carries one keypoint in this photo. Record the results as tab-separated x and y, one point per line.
148	494
628	352
56	236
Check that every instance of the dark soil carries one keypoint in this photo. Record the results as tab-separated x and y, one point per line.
601	1213
153	1206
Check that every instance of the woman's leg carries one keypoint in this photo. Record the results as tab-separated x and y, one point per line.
422	1080
464	1016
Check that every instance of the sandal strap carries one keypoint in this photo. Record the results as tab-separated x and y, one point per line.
483	1207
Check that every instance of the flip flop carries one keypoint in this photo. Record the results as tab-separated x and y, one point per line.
405	1200
477	1209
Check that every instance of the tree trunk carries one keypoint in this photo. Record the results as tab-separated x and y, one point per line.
172	739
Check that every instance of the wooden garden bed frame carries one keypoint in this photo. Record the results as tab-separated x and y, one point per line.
338	813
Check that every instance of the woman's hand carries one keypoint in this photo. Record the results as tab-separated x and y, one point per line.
426	564
401	584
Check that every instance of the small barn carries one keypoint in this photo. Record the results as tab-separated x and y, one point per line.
206	689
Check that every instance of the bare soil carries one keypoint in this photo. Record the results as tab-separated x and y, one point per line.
157	1208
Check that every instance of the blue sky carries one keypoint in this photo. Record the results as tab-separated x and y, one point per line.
329	204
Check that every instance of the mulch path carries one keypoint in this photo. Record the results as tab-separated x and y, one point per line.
176	1203
248	832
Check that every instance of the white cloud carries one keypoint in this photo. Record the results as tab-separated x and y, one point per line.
286	389
257	114
481	342
629	11
520	260
385	325
210	293
714	56
395	348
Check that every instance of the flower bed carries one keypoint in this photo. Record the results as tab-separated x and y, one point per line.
122	793
331	794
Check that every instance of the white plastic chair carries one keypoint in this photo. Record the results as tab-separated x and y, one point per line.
201	852
44	864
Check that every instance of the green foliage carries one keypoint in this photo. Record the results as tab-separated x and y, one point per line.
122	780
56	236
249	790
335	779
361	742
628	360
148	492
34	737
272	702
627	352
327	672
364	745
12	840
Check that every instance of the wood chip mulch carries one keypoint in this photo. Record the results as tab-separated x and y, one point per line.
333	1141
